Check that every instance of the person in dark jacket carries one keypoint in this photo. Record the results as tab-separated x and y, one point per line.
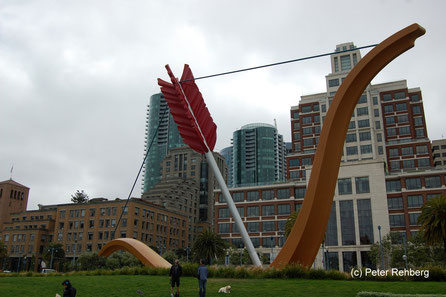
202	276
69	290
175	273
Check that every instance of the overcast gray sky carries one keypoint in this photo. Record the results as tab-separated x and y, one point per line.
76	76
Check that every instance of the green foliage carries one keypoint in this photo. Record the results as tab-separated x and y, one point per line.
209	245
433	221
169	256
3	250
91	261
289	224
79	197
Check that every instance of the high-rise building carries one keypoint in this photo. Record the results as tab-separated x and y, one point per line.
258	155
161	135
227	154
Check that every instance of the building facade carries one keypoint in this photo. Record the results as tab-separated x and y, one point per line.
227	154
187	185
88	227
258	155
161	135
439	153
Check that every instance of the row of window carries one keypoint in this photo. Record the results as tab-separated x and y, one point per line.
410	164
14	194
255	227
254	211
362	185
399	220
399	107
413	201
408	151
414	183
265	195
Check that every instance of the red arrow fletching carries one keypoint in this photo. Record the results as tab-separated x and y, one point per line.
186	104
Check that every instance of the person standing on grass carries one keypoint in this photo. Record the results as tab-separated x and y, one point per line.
69	290
202	278
175	273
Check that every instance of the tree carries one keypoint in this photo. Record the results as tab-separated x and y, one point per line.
289	224
209	245
91	261
433	221
79	197
3	250
54	251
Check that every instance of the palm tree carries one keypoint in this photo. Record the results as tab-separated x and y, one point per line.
433	221
209	245
290	223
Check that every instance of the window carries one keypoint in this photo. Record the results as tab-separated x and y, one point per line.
308	142
362	99
238	196
390	120
404	118
331	235
407	151
323	108
345	63
380	150
352	125
241	211
283	209
253	196
393	152
419	132
424	162
395	165
305	108
345	186
418	121
283	193
307	120
404	130
267	194
413	183
294	162
397	220
415	201
363	123
387	97
267	210
395	203
316	107
351	137
365	221
375	100
376	113
422	149
352	150
253	227
347	222
299	192
223	228
333	82
413	218
400	95
391	131
366	149
416	109
360	111
401	107
363	136
362	185
268	242
223	213
268	226
388	108
409	164
432	182
252	211
414	98
307	131
306	161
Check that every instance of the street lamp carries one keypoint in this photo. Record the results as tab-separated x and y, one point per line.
187	254
74	258
227	258
52	255
381	247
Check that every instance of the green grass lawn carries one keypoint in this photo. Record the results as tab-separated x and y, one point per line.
127	285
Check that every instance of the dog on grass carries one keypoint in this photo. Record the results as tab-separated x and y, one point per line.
225	290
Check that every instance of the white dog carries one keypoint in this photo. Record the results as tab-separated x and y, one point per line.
226	289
